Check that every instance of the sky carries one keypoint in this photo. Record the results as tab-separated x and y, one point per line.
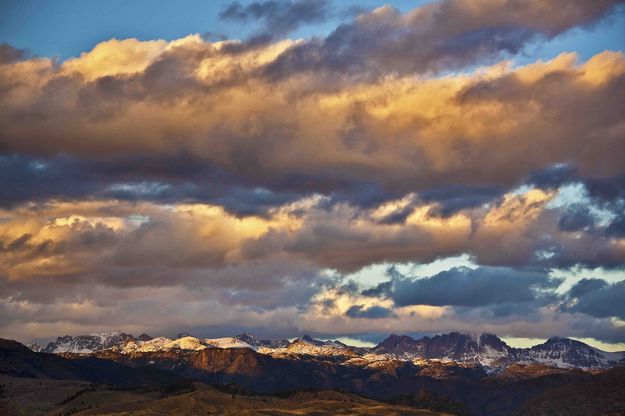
341	169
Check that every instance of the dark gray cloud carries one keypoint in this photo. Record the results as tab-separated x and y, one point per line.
453	198
277	18
10	54
180	179
606	188
24	179
617	226
462	286
602	189
597	298
371	312
576	218
440	35
552	177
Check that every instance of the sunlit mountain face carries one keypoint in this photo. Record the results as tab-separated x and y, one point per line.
347	170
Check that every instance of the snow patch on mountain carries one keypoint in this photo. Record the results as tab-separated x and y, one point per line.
86	344
228	342
569	353
490	351
486	350
35	347
186	343
309	346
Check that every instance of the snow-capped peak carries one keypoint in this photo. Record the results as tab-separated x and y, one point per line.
85	344
310	346
33	346
186	343
228	342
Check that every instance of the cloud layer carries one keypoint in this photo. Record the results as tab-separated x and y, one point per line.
246	181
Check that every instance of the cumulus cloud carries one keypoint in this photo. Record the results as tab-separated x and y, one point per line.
130	245
246	178
440	35
521	229
57	254
197	116
143	243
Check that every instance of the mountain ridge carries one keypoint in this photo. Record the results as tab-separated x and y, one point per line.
380	377
489	350
484	349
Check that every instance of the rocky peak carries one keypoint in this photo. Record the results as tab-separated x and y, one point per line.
492	340
88	343
398	345
256	342
144	337
568	353
309	339
246	337
35	347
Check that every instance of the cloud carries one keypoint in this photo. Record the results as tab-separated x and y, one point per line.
128	244
134	243
469	287
575	219
116	57
10	54
278	17
198	118
372	312
598	298
437	36
553	176
69	267
520	229
616	227
245	179
26	179
453	198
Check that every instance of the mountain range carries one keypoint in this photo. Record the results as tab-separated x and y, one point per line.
486	350
490	351
471	374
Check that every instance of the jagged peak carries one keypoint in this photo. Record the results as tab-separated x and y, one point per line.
35	346
94	335
307	339
486	348
466	335
394	338
144	337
